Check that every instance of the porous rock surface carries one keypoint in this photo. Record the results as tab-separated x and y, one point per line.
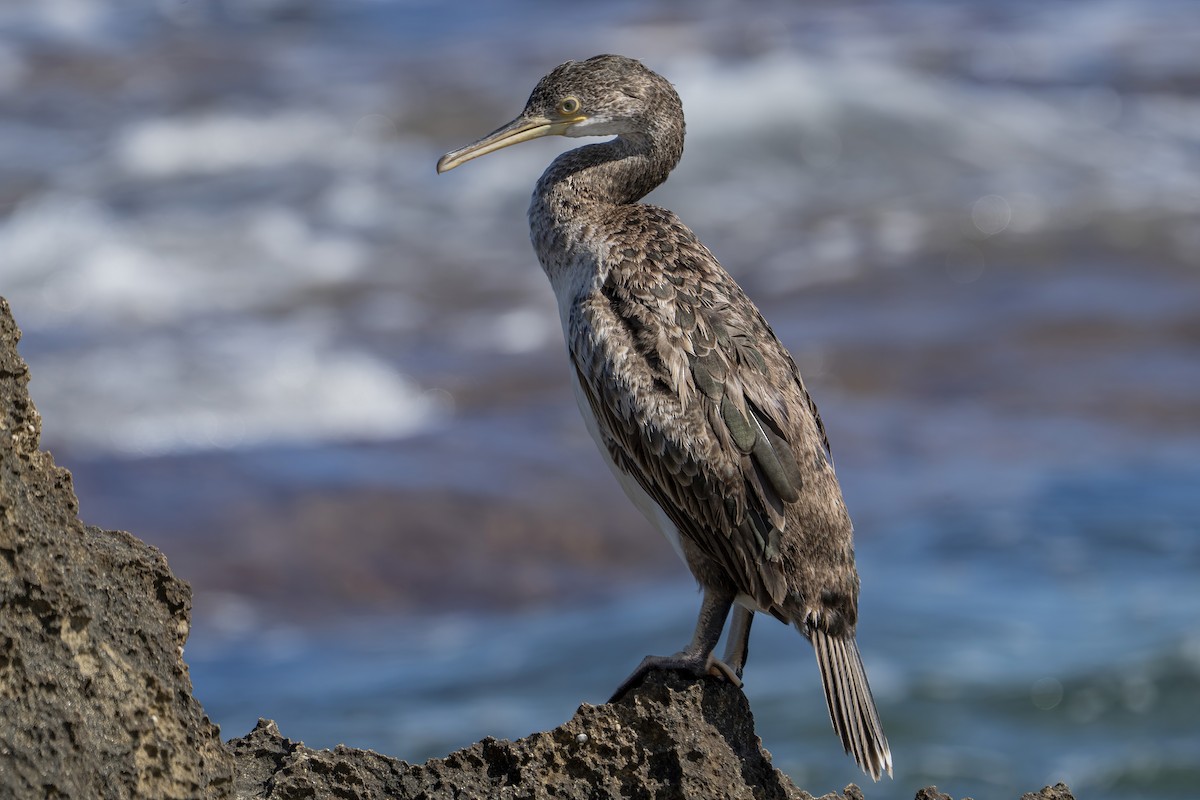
96	701
670	737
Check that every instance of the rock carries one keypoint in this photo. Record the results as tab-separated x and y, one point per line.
96	701
932	793
670	737
1058	791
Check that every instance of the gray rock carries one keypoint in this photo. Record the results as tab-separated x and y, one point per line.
96	701
671	737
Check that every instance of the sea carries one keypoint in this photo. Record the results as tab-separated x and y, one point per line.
330	384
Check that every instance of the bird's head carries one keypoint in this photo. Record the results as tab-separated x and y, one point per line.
603	96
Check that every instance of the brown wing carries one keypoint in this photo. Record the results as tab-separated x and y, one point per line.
696	398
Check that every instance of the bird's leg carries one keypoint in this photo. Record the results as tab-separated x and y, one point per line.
697	658
737	645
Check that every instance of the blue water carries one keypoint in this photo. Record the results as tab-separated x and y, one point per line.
253	314
1008	647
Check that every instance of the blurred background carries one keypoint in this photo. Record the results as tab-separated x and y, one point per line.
331	387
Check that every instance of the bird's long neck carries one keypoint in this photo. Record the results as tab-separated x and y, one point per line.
582	187
622	170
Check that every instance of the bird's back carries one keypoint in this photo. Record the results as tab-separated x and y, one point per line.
695	396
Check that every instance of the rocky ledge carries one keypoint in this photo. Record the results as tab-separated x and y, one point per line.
97	701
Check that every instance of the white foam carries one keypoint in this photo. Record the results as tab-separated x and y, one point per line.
224	141
803	161
69	258
245	386
66	19
792	134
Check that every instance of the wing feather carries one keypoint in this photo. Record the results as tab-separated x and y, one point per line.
683	376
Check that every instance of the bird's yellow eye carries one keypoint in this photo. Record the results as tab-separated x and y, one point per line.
568	106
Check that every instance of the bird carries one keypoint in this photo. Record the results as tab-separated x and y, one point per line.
697	407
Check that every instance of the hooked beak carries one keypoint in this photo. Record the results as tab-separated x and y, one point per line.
521	129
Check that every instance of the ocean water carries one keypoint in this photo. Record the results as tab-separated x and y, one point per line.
329	384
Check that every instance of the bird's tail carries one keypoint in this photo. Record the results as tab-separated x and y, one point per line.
851	707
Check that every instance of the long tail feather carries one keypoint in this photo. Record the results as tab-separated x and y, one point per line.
851	707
